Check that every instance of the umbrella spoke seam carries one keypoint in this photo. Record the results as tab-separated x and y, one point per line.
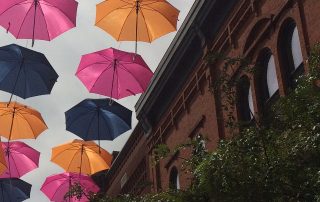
59	10
144	19
16	4
24	19
155	10
125	69
119	8
45	21
133	9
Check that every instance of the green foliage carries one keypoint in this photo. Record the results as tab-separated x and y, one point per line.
277	159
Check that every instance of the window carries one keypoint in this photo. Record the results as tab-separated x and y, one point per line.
272	81
174	182
296	49
266	78
244	100
290	53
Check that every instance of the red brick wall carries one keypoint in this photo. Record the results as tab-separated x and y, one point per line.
197	112
305	15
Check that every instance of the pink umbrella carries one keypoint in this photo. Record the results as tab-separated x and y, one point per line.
114	73
38	19
56	186
20	158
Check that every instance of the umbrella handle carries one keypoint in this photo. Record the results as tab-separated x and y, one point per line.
9	24
110	101
137	18
34	21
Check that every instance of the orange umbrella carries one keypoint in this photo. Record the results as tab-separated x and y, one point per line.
137	20
18	121
79	156
3	163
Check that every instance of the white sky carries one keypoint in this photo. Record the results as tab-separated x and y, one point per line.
64	54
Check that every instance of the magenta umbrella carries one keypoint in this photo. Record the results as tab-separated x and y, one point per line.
114	73
20	158
56	186
38	19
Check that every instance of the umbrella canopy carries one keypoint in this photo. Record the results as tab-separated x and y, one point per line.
14	190
18	121
96	119
24	72
3	163
38	19
20	159
114	73
141	20
84	157
55	187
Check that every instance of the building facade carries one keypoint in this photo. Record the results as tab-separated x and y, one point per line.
275	36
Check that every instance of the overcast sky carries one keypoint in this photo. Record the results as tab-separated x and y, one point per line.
64	54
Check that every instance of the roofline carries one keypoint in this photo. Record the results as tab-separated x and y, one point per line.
169	54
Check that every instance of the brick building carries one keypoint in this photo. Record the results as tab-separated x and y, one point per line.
180	104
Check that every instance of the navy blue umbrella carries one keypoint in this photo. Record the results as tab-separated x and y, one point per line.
14	190
24	72
97	119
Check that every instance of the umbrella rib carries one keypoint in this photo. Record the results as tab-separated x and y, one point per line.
94	152
106	121
102	73
25	82
28	123
119	8
99	63
48	4
55	192
125	1
68	149
132	9
45	21
125	69
149	3
72	160
145	24
15	166
87	134
105	57
44	81
80	116
16	4
24	20
155	10
111	130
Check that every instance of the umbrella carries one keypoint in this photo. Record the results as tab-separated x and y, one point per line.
3	163
21	159
137	20
56	186
114	73
14	190
18	121
38	19
96	119
24	72
84	157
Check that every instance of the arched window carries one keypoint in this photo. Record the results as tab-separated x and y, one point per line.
174	182
266	78
290	53
244	100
